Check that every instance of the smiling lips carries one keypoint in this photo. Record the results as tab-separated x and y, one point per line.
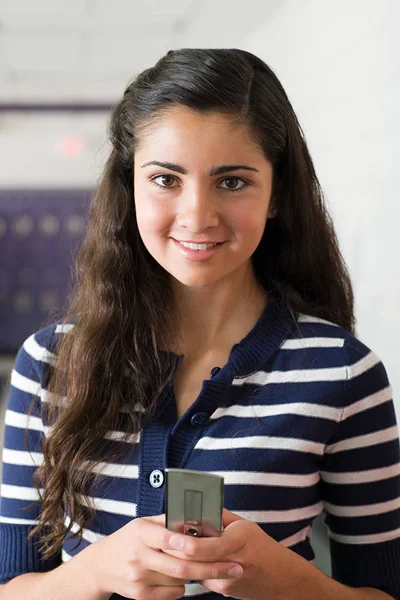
198	252
203	246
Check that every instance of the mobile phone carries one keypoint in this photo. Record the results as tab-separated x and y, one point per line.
194	502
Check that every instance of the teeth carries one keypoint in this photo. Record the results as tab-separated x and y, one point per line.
197	246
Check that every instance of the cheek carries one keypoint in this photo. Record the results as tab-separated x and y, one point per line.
152	217
248	220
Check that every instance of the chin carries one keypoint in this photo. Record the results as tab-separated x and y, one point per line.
195	282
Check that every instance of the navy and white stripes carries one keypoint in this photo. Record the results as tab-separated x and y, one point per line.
300	420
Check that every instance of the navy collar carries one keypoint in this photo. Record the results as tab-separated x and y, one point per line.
267	335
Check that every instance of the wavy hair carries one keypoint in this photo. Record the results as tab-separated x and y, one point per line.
114	356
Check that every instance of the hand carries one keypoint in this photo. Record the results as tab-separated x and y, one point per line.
131	562
268	567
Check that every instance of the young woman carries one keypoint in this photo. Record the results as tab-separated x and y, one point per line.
212	329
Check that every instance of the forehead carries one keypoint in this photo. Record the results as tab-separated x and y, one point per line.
184	128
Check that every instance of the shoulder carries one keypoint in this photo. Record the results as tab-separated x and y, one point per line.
40	349
33	365
329	334
356	358
48	337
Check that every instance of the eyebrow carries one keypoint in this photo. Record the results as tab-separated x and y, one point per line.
213	171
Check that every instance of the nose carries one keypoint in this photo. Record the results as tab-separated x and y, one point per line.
197	210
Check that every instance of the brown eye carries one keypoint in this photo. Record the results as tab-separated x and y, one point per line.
168	178
232	182
164	184
229	182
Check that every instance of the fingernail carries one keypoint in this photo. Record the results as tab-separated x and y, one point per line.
176	542
235	571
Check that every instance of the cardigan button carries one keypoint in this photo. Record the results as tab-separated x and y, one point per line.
156	478
214	371
199	419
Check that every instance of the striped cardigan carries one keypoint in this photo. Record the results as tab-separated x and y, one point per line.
300	420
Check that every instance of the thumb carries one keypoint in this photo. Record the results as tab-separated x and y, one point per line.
229	517
159	519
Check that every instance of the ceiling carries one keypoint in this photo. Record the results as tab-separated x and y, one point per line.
87	50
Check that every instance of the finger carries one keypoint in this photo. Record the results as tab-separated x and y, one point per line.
163	593
160	592
153	576
153	533
222	587
158	519
189	570
157	578
210	549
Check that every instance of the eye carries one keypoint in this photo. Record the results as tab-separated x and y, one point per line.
235	180
164	176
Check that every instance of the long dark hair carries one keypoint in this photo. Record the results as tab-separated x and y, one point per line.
121	306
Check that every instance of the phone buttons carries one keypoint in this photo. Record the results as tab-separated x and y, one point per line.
199	419
156	478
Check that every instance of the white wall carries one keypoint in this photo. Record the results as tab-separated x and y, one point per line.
339	64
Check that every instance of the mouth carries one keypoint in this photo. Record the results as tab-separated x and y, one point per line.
200	246
198	252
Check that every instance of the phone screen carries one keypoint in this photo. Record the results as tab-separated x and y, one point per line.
194	501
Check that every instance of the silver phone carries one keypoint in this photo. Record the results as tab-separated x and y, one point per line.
194	502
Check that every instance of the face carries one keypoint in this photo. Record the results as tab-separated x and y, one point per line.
202	191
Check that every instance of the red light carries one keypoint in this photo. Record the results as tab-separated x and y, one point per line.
72	146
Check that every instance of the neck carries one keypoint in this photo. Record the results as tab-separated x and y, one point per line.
218	317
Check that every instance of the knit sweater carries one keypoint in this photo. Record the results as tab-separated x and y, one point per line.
300	420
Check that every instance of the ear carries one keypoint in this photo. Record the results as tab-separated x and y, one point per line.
272	210
275	193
